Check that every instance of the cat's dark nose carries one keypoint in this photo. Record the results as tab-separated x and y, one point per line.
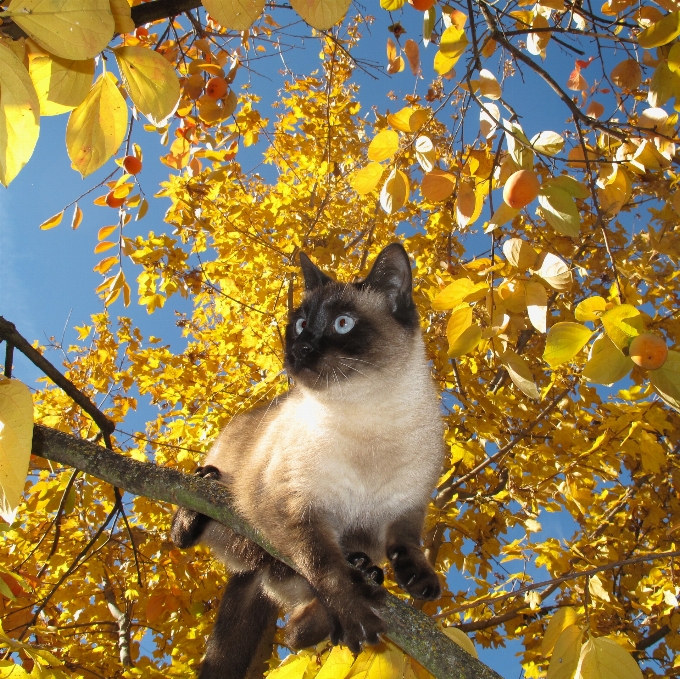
302	349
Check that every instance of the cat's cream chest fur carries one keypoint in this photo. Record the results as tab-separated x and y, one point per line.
362	451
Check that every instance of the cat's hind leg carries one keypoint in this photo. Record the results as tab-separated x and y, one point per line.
188	525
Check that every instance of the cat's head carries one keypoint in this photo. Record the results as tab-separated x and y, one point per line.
344	333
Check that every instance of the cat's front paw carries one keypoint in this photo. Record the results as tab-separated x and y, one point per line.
414	574
363	562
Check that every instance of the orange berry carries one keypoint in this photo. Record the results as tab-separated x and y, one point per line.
648	351
132	164
216	87
114	201
422	5
521	188
141	32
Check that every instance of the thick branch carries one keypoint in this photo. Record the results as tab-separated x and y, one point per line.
411	630
161	9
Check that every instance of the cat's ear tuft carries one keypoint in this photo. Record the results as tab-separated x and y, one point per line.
391	275
314	277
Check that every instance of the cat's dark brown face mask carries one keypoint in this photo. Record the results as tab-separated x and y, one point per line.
342	332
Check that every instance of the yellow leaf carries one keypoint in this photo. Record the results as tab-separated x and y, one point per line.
150	81
384	145
122	16
443	65
461	290
77	217
366	179
105	264
293	667
519	253
537	305
425	154
16	435
392	5
606	364
61	84
384	661
548	142
590	309
52	221
563	618
603	658
554	271
622	324
564	341
19	115
666	380
488	119
468	340
469	204
520	374
104	246
400	120
395	192
321	14
418	118
660	33
463	640
437	185
616	192
71	29
106	231
143	209
597	589
97	127
565	657
459	321
453	43
338	664
488	85
237	15
504	213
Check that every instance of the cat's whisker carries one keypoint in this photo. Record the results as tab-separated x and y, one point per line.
350	358
342	373
346	365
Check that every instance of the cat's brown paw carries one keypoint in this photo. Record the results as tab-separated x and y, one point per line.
414	574
208	472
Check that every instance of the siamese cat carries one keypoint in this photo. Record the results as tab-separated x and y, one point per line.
336	474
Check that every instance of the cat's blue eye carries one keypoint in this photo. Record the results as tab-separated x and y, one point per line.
300	325
343	324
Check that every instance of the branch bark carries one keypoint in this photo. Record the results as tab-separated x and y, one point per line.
408	628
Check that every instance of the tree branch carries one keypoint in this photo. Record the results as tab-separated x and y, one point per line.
411	630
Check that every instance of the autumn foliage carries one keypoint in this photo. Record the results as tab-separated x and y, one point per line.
549	308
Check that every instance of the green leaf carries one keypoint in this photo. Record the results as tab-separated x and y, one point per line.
321	14
666	380
622	324
504	213
572	186
564	341
558	208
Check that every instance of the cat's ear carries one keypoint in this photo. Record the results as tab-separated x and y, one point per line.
391	275
314	277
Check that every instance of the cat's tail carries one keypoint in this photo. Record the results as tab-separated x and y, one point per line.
245	615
